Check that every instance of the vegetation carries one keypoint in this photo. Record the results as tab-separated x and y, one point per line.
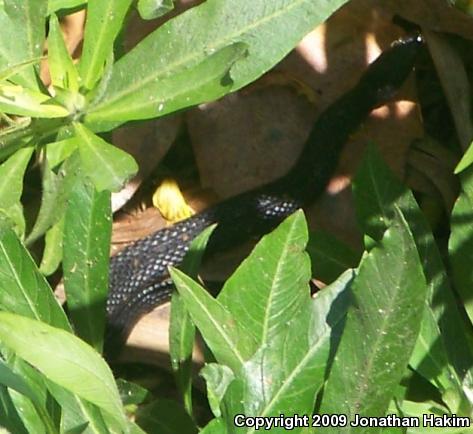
390	334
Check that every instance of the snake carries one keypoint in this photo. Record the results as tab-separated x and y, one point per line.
139	279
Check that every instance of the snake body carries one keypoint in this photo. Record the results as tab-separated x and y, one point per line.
139	278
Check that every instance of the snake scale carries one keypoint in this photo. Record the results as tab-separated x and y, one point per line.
139	278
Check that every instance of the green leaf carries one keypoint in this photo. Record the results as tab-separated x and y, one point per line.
281	268
9	416
213	320
52	254
12	172
165	417
217	378
86	245
381	328
64	359
443	335
329	256
116	166
181	328
206	81
18	100
466	160
270	29
24	21
215	426
460	245
57	152
62	69
131	393
150	9
15	69
104	22
23	289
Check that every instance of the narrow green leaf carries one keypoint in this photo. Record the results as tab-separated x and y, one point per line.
23	289
24	21
181	328
64	359
116	166
52	253
466	160
165	417
15	69
18	100
12	172
214	321
53	201
381	328
86	245
104	22
62	69
443	334
201	83
9	416
131	393
461	242
150	9
329	256
269	28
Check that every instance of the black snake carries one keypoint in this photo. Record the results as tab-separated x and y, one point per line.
139	278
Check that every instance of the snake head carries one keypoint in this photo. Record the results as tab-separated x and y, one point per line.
387	73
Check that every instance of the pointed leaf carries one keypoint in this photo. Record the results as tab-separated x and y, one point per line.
150	9
381	328
214	321
86	245
62	70
107	166
104	21
23	289
269	28
201	83
11	174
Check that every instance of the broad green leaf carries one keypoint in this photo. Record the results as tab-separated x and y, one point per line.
23	289
56	5
269	28
443	335
104	22
213	320
52	253
116	166
62	70
12	172
18	100
272	285
329	256
131	393
86	245
381	328
181	328
217	377
165	417
201	83
64	359
461	242
150	9
15	69
24	21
